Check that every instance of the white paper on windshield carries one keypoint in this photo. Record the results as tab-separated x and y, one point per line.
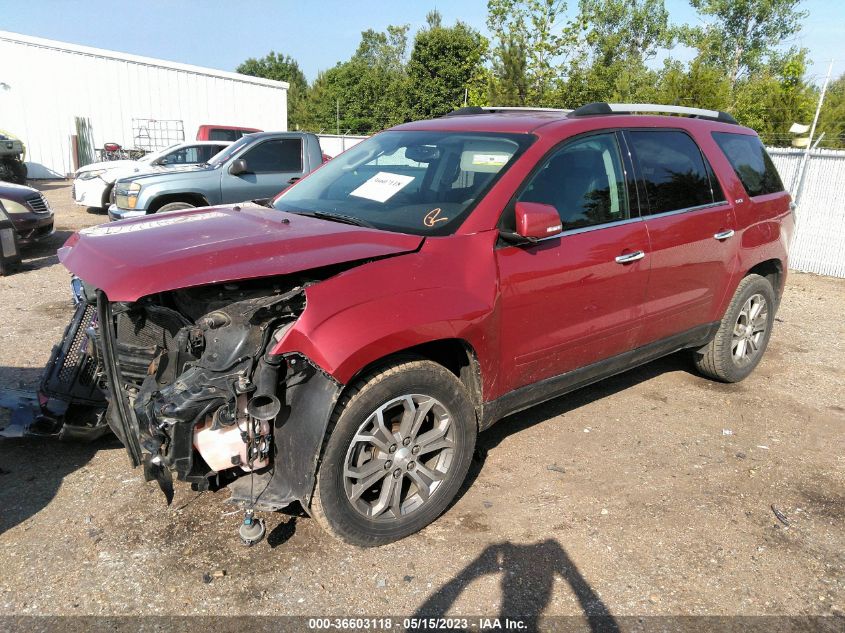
382	187
490	160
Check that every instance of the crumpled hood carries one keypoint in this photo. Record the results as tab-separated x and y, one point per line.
134	258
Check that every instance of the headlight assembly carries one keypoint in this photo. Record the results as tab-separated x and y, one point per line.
90	175
13	207
128	198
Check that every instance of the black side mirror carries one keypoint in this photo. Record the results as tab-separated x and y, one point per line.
238	167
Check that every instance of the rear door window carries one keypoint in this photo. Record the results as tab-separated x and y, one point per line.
673	171
275	156
750	161
584	181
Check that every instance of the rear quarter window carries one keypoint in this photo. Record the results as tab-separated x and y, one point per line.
750	162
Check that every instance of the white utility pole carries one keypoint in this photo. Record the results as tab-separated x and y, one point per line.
802	168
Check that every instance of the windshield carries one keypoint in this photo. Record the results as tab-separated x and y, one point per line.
424	183
149	158
221	157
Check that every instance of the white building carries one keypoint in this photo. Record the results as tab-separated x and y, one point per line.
49	89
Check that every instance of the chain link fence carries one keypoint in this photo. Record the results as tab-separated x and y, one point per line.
818	245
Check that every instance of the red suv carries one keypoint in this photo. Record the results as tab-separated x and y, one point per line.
344	348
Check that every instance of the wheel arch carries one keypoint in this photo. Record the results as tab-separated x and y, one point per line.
773	271
106	197
196	199
455	354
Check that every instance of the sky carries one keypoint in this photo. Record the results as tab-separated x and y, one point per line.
317	33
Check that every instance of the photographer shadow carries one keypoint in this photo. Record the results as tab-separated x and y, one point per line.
527	573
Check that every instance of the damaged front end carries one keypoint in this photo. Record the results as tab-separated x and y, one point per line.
193	391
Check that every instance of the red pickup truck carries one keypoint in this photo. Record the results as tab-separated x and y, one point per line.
223	132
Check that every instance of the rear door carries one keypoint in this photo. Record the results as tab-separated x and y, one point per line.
691	229
576	298
271	164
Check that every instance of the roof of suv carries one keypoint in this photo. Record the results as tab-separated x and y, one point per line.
516	121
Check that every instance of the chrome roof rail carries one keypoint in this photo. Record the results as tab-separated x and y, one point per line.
651	108
496	109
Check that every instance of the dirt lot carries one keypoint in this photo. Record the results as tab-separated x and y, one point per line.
651	493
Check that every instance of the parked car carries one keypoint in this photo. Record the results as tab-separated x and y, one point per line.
344	348
93	183
25	218
223	132
255	167
29	211
12	153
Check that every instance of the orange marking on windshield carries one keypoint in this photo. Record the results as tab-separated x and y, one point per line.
433	217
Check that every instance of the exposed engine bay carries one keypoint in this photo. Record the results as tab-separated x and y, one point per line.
193	390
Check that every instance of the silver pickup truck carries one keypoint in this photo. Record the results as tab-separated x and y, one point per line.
257	166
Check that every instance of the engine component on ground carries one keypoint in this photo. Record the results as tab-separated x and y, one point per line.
252	530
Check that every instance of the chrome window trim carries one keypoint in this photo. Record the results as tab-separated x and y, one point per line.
643	218
588	229
699	207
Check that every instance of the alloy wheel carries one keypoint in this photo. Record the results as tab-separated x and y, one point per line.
750	330
399	457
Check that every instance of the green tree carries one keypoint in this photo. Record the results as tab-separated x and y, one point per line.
385	50
740	35
626	30
616	40
368	91
532	42
281	68
445	62
508	82
832	116
698	85
775	97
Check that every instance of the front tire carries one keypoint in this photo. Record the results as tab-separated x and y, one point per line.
106	199
174	206
743	334
400	448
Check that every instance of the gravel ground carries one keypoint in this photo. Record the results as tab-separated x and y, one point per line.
648	494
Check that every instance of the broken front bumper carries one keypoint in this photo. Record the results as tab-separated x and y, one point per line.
69	403
307	397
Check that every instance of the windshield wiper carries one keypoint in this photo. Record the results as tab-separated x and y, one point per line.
336	217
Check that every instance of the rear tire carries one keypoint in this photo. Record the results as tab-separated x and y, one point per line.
14	171
378	483
174	206
743	334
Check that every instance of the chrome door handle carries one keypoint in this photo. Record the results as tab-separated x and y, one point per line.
723	235
627	258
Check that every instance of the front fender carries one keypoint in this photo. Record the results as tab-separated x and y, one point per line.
201	184
447	290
